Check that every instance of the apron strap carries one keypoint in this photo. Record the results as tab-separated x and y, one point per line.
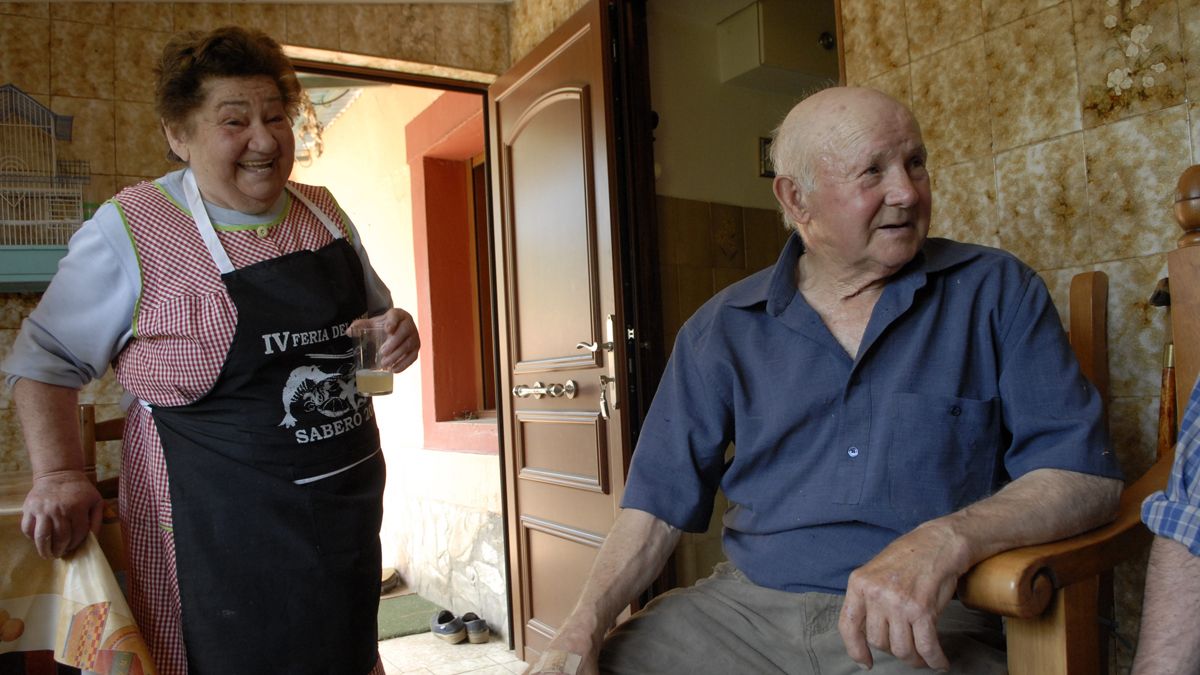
209	234
204	223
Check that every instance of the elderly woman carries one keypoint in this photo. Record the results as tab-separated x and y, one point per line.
221	294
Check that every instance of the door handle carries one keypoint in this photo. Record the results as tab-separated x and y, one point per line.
595	346
538	390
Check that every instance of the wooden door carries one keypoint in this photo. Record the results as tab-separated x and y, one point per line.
558	307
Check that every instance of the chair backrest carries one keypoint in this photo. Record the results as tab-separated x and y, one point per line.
92	432
1088	332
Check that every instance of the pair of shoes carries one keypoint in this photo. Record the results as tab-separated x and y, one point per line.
454	629
448	627
477	628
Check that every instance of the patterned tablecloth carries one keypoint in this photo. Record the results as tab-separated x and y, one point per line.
72	606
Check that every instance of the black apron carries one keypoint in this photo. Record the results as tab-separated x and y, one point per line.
276	476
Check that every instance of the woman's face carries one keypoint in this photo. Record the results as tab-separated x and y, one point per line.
238	143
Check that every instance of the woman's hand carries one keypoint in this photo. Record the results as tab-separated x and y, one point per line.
59	511
400	349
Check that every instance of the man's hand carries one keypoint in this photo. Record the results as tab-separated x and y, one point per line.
893	602
59	511
568	655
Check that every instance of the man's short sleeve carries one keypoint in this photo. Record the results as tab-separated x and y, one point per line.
1054	414
680	455
1175	512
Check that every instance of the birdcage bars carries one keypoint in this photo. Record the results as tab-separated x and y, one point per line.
41	196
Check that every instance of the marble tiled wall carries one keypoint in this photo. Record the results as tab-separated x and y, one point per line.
1057	130
531	21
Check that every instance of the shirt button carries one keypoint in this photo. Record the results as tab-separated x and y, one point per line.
955	411
262	231
853	451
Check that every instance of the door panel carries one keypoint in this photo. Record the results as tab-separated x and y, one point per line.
557	284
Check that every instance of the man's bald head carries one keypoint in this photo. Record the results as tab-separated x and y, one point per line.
820	127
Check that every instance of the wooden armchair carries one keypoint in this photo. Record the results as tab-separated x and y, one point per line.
1055	595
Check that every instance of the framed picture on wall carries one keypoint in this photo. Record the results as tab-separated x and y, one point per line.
765	168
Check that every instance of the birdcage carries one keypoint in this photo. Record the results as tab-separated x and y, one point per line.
41	196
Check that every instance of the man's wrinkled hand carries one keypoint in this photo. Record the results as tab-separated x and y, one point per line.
60	510
893	602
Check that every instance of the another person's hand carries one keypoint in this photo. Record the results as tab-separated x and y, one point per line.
60	510
893	602
400	349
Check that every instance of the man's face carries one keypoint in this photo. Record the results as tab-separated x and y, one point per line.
870	207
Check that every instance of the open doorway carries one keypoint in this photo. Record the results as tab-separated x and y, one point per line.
407	163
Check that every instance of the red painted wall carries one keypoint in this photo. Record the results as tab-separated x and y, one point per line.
439	141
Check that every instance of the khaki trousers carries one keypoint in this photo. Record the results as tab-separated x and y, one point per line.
727	625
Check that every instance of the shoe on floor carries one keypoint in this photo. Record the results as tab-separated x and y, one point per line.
477	628
448	627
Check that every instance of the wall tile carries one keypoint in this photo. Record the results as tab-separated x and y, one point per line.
138	52
951	105
492	40
14	307
203	16
454	24
81	60
92	131
97	13
25	54
140	153
12	447
1136	331
764	235
695	288
122	182
1043	207
1130	59
727	238
999	12
875	38
1031	79
668	279
928	19
7	337
964	202
1194	129
313	26
683	232
1132	168
363	29
1189	20
412	32
270	19
97	191
148	15
895	83
39	10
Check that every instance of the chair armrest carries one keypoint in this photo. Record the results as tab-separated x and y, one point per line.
1021	582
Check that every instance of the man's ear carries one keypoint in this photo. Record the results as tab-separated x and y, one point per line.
176	141
792	198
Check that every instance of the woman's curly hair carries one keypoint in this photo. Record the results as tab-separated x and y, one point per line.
191	58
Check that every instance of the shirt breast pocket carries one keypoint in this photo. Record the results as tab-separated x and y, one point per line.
942	456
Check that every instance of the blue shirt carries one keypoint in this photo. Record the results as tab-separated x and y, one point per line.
964	380
1175	513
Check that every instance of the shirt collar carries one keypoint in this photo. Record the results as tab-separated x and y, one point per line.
777	289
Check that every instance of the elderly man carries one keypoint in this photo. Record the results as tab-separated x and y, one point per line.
1170	635
901	408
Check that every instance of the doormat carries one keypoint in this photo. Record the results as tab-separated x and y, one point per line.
404	615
